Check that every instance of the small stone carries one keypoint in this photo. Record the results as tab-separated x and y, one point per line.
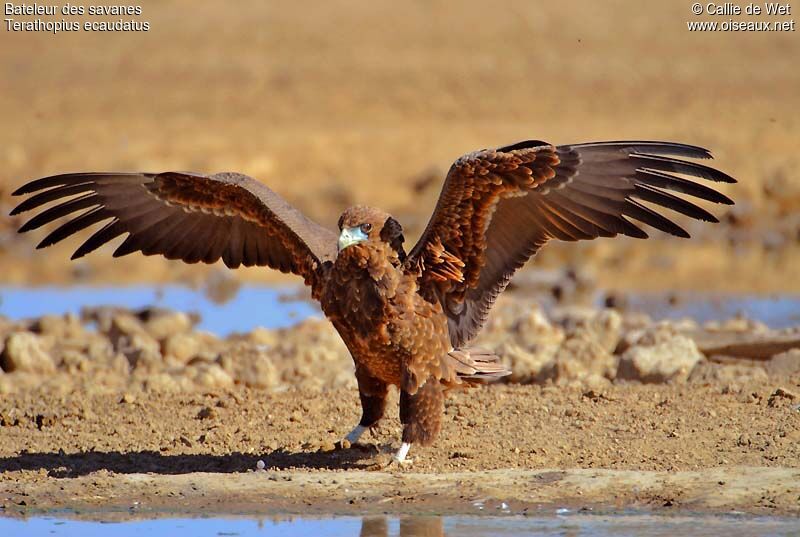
206	413
785	364
779	395
182	347
128	398
24	352
260	465
162	324
250	365
671	360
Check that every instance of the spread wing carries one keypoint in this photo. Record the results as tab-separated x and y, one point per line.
183	216
498	207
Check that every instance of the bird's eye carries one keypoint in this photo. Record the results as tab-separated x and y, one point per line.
366	228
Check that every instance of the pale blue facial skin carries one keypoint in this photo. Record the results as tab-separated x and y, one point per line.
350	236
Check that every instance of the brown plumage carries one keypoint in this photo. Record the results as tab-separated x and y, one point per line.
406	319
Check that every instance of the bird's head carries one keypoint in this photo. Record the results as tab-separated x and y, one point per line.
370	227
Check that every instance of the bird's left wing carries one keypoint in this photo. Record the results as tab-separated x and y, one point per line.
184	216
499	206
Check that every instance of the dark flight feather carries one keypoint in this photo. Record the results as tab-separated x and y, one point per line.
183	216
406	318
571	192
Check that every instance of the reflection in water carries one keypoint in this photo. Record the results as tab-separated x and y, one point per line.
583	525
410	526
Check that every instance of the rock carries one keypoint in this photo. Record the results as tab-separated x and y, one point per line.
754	346
737	324
161	324
250	365
206	376
660	332
533	329
536	365
60	326
181	347
206	413
127	336
24	352
603	327
779	396
670	360
785	364
74	362
727	374
312	355
581	356
263	336
161	382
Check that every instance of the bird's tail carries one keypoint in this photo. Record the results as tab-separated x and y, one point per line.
477	365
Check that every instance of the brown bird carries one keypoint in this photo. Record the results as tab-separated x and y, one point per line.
407	319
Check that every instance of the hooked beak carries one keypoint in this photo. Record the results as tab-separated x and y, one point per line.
350	236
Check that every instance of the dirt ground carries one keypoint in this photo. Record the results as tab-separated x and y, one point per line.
362	102
605	410
691	448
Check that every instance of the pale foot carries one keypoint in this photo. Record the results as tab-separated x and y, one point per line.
398	460
351	440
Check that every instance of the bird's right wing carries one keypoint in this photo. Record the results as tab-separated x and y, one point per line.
184	216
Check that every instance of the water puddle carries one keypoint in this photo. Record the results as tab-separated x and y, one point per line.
413	526
272	307
251	307
774	311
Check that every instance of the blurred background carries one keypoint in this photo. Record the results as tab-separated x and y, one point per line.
345	102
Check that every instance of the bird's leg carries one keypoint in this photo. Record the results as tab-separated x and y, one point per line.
373	403
421	416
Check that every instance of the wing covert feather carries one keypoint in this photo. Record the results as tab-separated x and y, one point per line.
498	207
184	216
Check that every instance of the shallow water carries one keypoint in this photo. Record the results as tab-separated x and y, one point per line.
272	307
253	306
413	526
774	311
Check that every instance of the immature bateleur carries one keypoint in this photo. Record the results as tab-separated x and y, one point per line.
407	319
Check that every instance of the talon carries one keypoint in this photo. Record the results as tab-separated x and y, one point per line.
392	463
360	446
